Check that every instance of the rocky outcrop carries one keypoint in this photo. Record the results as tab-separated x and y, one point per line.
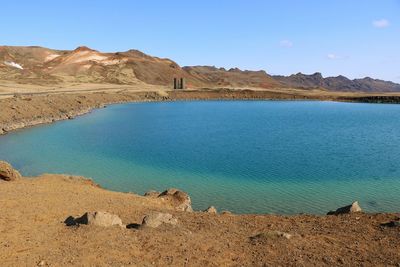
7	172
352	208
211	209
98	218
12	126
22	111
179	199
156	219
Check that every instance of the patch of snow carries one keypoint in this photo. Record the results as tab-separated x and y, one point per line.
13	64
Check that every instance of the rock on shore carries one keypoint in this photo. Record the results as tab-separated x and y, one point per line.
211	210
156	219
177	198
7	172
98	218
352	208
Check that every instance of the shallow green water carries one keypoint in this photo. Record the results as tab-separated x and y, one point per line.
244	156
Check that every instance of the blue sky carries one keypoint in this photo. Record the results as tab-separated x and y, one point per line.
355	38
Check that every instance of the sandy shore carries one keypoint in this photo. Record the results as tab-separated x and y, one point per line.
33	232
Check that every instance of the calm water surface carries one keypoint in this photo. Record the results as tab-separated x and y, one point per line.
244	156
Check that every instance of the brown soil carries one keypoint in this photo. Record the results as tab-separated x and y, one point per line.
32	232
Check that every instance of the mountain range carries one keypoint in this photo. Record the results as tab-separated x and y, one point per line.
38	65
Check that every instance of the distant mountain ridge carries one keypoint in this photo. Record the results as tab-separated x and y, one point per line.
338	83
39	65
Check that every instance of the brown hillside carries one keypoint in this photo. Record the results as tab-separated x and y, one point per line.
232	78
39	65
42	66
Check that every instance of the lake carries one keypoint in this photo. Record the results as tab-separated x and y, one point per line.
282	157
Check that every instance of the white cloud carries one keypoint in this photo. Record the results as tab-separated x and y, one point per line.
286	43
381	23
332	56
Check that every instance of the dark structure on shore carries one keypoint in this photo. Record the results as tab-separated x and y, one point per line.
179	83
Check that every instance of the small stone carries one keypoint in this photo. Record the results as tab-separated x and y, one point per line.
211	209
284	235
270	235
155	219
341	261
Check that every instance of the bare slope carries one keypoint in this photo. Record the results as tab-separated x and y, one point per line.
339	83
37	65
43	66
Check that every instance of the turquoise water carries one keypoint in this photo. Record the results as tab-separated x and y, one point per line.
245	156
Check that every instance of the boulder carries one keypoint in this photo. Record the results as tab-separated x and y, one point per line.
179	199
211	209
7	172
352	208
99	218
156	219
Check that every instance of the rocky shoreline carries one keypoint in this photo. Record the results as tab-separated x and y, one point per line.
23	111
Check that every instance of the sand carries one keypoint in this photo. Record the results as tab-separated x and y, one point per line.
33	232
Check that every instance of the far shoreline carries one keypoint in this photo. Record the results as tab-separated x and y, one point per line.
26	110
